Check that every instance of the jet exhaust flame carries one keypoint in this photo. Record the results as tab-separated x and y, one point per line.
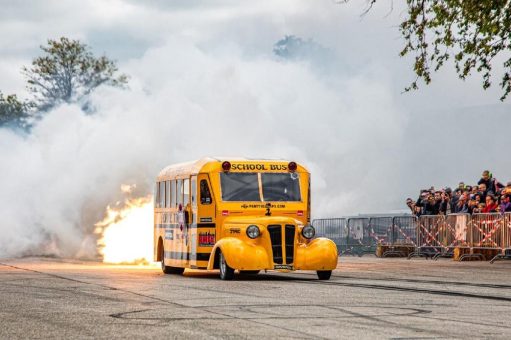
126	233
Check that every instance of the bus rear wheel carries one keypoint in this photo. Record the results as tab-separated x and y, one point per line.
169	269
226	272
324	274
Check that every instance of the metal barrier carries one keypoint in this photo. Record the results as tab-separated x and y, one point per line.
506	239
472	236
405	230
381	230
359	240
430	232
485	232
335	229
455	234
362	235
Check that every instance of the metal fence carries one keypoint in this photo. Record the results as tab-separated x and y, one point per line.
476	235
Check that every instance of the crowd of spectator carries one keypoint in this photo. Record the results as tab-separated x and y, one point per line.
488	196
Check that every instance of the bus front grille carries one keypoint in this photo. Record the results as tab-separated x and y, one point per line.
290	243
275	232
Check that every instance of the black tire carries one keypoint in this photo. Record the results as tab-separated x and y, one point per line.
249	272
169	269
324	274
226	272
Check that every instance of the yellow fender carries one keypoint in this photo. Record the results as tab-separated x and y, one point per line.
319	254
240	255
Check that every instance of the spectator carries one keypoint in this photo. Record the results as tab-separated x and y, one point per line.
490	182
472	205
482	191
411	204
445	204
488	195
462	206
491	204
505	205
507	189
433	204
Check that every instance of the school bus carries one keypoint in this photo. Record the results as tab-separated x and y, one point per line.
238	214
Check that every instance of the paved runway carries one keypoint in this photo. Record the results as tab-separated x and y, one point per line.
366	298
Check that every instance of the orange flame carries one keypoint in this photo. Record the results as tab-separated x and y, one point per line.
126	233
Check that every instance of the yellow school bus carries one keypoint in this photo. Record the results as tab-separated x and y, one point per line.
237	214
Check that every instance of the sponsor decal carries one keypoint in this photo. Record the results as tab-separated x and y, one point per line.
283	266
206	219
169	234
260	206
235	230
258	167
206	239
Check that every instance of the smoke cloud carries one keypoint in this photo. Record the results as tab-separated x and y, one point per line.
217	94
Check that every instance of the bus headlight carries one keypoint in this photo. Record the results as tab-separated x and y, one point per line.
308	232
253	231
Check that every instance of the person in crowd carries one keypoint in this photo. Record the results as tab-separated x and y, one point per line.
479	208
472	204
482	191
491	183
411	204
455	197
507	189
505	205
436	202
491	204
445	204
488	195
462	206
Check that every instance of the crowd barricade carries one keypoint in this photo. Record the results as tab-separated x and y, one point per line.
506	239
405	230
381	230
485	235
359	240
455	234
461	236
334	229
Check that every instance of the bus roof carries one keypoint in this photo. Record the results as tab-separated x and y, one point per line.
194	167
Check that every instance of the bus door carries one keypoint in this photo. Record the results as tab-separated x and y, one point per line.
206	227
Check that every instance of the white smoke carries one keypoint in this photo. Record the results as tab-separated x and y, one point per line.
216	89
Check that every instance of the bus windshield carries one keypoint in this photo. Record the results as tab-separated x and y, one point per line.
237	187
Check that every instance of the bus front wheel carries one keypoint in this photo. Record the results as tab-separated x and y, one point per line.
324	274
226	272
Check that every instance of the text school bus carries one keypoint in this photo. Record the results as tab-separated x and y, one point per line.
237	214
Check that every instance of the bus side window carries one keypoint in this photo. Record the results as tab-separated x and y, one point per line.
162	194
179	199
167	194
193	191
157	195
205	194
186	191
173	194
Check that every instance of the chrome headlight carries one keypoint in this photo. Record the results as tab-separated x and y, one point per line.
253	231
308	232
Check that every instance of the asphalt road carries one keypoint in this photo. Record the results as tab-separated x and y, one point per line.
366	298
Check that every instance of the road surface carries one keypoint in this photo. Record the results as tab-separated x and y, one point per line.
366	298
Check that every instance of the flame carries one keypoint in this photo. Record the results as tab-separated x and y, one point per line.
126	233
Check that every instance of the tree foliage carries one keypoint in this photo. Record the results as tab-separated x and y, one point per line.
473	33
13	112
68	72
